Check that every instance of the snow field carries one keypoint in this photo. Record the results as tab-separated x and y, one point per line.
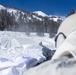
17	44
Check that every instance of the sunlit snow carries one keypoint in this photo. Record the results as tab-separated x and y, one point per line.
15	44
40	13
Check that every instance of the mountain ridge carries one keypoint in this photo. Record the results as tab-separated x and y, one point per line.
27	21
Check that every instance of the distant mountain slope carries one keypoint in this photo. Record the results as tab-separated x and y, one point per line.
17	20
41	13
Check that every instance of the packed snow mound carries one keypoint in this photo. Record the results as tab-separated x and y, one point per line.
40	13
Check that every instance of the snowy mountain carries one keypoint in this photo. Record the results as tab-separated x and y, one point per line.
17	20
16	11
40	13
2	7
54	17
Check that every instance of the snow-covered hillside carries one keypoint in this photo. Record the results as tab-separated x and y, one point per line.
16	12
17	20
54	17
2	7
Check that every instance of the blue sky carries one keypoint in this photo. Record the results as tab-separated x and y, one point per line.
50	7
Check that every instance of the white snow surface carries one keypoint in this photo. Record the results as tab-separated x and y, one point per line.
18	51
16	44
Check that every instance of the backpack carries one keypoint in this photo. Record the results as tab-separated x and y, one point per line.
65	39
